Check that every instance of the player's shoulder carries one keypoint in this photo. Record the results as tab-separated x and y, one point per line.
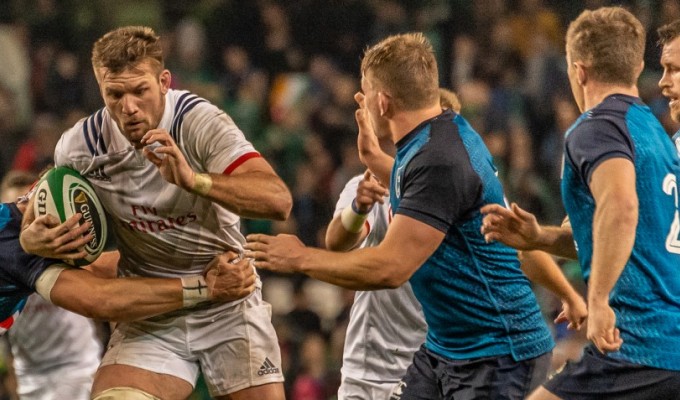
184	102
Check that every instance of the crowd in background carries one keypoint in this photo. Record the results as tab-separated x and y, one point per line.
286	72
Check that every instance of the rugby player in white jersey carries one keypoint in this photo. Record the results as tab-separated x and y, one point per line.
175	174
385	326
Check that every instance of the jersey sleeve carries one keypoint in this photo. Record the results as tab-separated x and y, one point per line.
17	268
595	141
215	140
439	187
71	150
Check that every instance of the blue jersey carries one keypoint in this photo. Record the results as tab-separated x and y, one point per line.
646	298
476	300
18	270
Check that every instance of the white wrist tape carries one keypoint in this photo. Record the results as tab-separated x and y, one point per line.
202	184
46	280
194	290
352	220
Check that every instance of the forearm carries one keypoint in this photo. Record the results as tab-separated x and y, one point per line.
118	299
380	164
540	268
613	238
556	240
340	239
361	269
255	194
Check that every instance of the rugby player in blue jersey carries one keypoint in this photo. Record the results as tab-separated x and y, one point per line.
486	337
620	190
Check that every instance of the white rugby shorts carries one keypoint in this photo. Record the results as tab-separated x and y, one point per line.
361	389
235	346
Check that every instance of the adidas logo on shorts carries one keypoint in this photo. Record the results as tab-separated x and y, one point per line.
267	368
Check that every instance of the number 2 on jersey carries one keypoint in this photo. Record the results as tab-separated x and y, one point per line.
670	187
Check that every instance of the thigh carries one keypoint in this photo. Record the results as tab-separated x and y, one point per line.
149	355
238	350
269	391
163	386
420	381
597	376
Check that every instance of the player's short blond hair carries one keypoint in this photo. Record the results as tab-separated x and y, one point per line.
404	66
449	99
610	41
127	47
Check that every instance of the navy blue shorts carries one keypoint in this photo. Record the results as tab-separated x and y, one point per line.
432	377
596	376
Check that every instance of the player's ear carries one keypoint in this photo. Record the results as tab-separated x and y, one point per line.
581	73
384	103
165	78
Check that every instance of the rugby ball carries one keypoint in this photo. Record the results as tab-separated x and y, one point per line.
63	192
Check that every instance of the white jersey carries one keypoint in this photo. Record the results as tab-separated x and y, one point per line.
50	344
386	326
162	230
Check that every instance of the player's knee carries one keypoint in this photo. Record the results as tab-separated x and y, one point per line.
124	393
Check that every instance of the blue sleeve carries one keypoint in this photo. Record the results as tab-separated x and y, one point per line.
440	186
18	270
595	141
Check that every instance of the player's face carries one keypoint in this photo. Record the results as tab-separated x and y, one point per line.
371	103
135	98
670	81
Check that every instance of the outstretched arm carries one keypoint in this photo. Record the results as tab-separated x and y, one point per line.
518	228
132	298
540	268
407	245
252	190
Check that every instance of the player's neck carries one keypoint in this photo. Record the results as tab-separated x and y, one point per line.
596	92
403	122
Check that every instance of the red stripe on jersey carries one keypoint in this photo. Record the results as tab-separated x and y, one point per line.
7	323
240	161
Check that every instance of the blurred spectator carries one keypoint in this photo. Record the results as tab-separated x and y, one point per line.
37	151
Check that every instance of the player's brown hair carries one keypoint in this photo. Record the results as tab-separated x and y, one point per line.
610	41
669	32
127	47
405	66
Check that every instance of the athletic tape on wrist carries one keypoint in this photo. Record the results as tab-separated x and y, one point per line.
352	220
202	184
46	281
194	290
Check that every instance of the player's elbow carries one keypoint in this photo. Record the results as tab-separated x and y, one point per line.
392	278
282	205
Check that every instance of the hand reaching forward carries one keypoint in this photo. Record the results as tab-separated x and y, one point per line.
281	253
46	237
513	227
168	158
573	311
229	277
